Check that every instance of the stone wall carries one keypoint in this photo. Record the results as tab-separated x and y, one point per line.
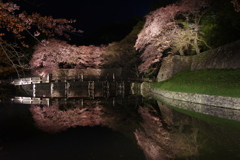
218	106
172	65
188	100
211	100
227	57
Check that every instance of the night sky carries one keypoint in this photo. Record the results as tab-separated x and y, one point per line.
90	14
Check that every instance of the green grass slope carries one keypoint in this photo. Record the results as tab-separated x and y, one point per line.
224	82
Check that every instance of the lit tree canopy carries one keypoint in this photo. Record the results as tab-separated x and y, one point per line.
49	55
16	25
174	27
236	5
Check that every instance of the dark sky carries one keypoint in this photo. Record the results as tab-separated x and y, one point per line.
91	14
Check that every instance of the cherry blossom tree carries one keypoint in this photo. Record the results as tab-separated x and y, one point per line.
187	40
174	27
236	5
19	24
50	54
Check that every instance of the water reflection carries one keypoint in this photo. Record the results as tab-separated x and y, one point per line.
165	142
157	138
66	113
52	119
181	131
79	129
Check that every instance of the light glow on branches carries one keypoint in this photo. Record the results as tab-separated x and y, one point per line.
18	24
163	30
50	54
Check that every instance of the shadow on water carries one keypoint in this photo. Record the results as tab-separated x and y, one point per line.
116	126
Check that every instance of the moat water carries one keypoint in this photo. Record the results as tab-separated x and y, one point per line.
122	126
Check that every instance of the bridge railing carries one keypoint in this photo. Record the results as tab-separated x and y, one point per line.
49	78
31	100
24	81
30	80
81	77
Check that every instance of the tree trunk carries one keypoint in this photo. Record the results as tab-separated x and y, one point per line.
195	45
181	51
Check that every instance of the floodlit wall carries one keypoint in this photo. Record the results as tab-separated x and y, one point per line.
224	57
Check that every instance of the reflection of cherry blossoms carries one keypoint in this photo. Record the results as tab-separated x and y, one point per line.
51	119
159	143
147	139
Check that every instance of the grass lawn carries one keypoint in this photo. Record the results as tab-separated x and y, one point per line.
224	82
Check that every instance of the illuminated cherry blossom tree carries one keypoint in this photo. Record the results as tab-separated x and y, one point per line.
236	5
50	54
18	24
174	27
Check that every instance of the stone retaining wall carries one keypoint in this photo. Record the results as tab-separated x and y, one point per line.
172	65
212	100
146	90
224	57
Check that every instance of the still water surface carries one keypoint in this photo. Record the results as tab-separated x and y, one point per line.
127	127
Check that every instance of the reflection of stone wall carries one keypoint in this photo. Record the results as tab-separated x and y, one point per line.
227	56
172	117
